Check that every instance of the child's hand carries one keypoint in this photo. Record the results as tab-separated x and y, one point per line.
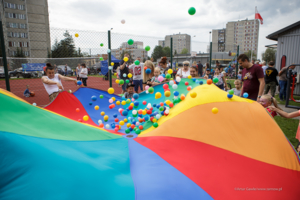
59	86
272	108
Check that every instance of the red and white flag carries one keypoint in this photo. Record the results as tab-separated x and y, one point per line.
257	16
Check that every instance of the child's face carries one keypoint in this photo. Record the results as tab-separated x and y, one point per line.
130	90
264	102
156	73
193	72
237	85
217	71
207	72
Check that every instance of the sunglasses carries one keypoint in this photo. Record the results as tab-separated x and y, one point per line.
185	65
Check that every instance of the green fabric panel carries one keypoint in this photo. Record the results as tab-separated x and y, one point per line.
25	119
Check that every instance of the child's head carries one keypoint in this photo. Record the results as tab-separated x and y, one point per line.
193	71
130	88
83	65
149	64
156	71
238	84
27	86
217	70
267	100
207	71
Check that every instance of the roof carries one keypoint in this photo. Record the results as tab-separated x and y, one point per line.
274	46
274	36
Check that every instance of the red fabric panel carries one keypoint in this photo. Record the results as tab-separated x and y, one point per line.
283	61
223	174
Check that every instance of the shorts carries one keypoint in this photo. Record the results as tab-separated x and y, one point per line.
124	86
53	96
138	83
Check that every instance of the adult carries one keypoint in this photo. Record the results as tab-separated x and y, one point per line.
169	64
253	61
124	72
184	72
52	82
264	67
194	72
78	70
84	73
200	68
253	78
66	70
147	77
283	82
163	65
271	79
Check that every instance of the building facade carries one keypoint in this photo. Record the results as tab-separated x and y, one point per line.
180	41
26	27
218	40
135	50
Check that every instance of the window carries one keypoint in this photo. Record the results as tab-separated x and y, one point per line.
22	16
23	44
9	34
26	53
16	35
23	35
10	5
10	15
12	25
21	7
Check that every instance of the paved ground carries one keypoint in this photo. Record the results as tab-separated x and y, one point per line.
289	110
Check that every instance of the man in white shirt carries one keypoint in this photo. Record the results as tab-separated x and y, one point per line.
264	67
52	82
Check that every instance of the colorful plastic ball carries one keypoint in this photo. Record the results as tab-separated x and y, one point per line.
127	81
79	82
135	96
77	109
123	103
178	79
123	21
151	90
137	131
127	130
167	93
94	98
125	113
157	95
215	80
108	50
229	96
129	75
136	103
110	67
170	71
110	90
121	82
118	102
182	97
101	125
189	76
171	105
201	82
130	41
107	126
160	78
141	127
101	44
148	71
144	102
117	81
96	107
171	83
85	118
102	113
231	92
76	35
209	81
116	120
189	88
155	124
147	48
137	62
125	59
168	76
105	117
161	108
165	86
176	93
116	128
115	115
193	94
168	102
192	11
245	95
110	101
186	83
128	101
101	58
91	103
215	110
174	86
101	96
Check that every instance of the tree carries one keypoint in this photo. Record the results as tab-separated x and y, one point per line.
175	53
64	48
166	51
184	51
130	60
157	53
269	55
248	53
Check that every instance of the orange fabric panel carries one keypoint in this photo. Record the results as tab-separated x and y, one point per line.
240	127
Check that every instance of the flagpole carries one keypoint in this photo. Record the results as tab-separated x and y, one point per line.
253	34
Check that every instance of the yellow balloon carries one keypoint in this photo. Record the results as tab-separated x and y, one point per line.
193	94
129	75
105	117
115	74
215	110
118	102
132	104
144	112
117	81
157	95
85	117
128	125
76	35
112	63
167	93
189	76
113	98
102	113
154	120
121	123
168	102
125	59
125	120
170	71
123	103
96	107
110	90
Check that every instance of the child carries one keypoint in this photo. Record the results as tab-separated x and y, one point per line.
284	114
26	92
194	71
129	91
154	79
207	74
267	100
84	73
137	71
238	86
220	76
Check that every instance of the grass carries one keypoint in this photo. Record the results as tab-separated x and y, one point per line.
289	127
97	75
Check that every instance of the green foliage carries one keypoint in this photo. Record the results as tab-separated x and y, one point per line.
157	53
248	53
184	51
20	53
65	48
269	55
166	52
130	60
175	52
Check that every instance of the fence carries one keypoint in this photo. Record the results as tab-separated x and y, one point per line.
65	47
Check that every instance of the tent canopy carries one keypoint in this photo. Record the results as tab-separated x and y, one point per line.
104	64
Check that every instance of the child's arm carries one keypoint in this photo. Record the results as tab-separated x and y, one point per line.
285	114
67	78
224	81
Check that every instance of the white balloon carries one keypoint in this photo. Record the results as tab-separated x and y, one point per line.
110	67
157	116
108	50
137	123
107	126
171	82
167	111
174	86
99	121
147	92
34	104
123	21
149	106
124	75
178	79
134	112
129	118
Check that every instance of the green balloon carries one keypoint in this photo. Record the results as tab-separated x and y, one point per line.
101	44
151	89
215	80
231	92
161	108
127	80
155	124
168	76
128	101
147	48
130	42
100	58
137	62
192	11
121	82
101	96
137	131
135	128
127	130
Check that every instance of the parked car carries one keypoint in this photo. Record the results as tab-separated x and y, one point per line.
29	74
17	73
2	74
61	70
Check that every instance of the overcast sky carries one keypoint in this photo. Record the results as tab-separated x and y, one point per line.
157	18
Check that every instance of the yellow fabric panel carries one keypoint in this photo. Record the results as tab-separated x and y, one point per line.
7	93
